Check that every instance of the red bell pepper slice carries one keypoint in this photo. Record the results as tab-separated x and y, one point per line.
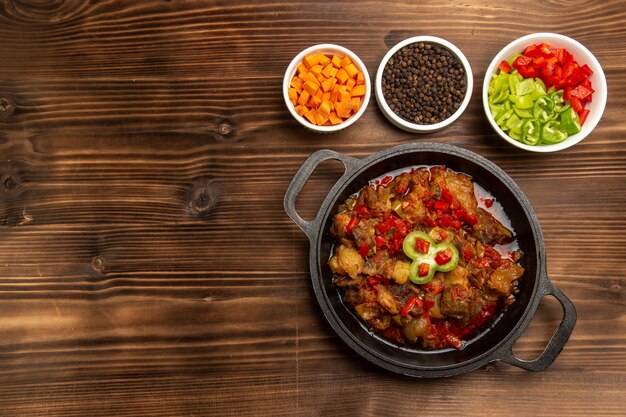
504	66
364	250
582	115
522	61
423	270
567	92
539	61
410	304
545	49
576	104
353	222
362	210
581	92
528	72
422	245
531	51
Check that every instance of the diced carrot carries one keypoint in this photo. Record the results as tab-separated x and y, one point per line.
342	76
360	78
345	96
319	93
304	97
343	108
359	90
336	61
356	104
323	59
293	95
320	118
325	108
311	87
311	77
333	72
301	110
329	84
327	70
346	61
301	68
350	83
334	119
316	69
310	115
310	60
297	83
326	97
352	70
321	78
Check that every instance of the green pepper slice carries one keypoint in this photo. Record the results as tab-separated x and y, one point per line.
570	121
544	109
429	258
531	132
551	132
560	104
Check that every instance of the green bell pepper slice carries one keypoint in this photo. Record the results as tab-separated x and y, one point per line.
570	122
531	132
428	257
543	109
551	132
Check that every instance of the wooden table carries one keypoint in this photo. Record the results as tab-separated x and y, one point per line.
147	266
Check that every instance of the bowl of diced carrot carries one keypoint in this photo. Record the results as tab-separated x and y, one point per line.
326	88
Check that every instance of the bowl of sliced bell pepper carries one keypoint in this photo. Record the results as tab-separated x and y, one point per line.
544	92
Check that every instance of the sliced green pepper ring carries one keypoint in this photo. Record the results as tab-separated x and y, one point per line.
551	132
429	258
544	109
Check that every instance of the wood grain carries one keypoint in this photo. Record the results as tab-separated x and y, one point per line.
147	266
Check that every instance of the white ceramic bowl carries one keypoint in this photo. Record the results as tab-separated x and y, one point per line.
583	56
329	49
414	127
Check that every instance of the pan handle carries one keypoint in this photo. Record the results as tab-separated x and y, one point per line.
558	340
302	176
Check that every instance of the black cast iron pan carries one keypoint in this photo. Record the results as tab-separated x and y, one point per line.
496	343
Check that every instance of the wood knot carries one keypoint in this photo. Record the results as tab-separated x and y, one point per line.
204	196
7	107
46	11
97	263
8	182
224	130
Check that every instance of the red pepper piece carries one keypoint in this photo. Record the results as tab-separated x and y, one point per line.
409	305
467	255
422	245
433	287
445	220
443	257
428	304
504	66
531	51
521	62
576	104
380	241
539	61
364	250
400	189
582	115
423	270
544	48
568	69
362	210
566	93
351	224
447	196
581	92
488	202
441	205
455	224
386	180
528	72
471	219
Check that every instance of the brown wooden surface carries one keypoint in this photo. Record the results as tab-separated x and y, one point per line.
147	266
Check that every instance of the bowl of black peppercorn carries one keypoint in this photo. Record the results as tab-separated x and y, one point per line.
423	84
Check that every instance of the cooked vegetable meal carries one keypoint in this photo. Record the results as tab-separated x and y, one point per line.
423	261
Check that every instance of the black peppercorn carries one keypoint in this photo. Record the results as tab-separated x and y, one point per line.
424	83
